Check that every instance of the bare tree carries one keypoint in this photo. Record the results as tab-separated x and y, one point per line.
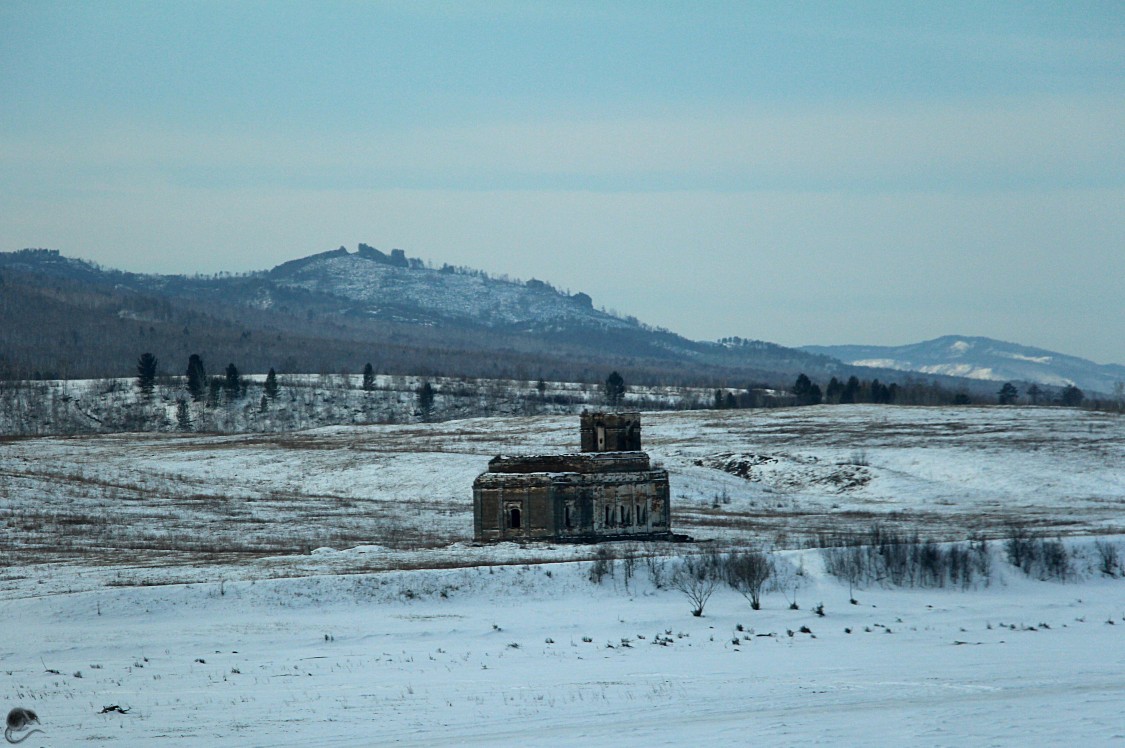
697	578
747	571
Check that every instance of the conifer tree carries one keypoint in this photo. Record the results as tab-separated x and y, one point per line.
1071	396
183	416
271	388
834	390
805	391
196	377
146	373
614	389
233	382
426	400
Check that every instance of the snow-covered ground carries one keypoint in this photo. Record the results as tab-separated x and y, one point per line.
177	503
538	655
321	588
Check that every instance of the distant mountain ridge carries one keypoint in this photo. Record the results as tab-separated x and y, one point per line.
984	359
336	310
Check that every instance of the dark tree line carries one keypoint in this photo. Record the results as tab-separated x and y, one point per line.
751	397
1069	396
806	392
855	390
231	387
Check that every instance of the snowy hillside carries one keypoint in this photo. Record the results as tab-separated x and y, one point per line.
982	358
417	294
781	477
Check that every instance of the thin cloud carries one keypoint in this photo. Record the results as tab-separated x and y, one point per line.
1035	143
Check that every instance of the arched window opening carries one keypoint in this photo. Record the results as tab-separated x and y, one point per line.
514	518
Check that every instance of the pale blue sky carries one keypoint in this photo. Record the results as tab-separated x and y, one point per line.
798	172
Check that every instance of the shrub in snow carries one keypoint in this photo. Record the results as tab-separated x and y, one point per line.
1108	557
604	563
696	577
1038	557
1020	547
746	572
1056	560
657	567
629	562
887	557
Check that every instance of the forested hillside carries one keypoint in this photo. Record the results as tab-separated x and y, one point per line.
335	311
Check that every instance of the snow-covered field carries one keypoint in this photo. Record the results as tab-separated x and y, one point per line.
321	588
538	655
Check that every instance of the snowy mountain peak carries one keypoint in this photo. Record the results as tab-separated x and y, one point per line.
982	358
960	346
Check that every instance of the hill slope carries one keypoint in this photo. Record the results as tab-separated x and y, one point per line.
337	310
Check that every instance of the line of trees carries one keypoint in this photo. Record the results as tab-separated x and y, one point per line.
804	391
231	386
1070	396
854	390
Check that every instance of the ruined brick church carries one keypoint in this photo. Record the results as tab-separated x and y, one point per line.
608	491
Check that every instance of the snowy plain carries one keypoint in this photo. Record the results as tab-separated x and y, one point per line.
321	588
